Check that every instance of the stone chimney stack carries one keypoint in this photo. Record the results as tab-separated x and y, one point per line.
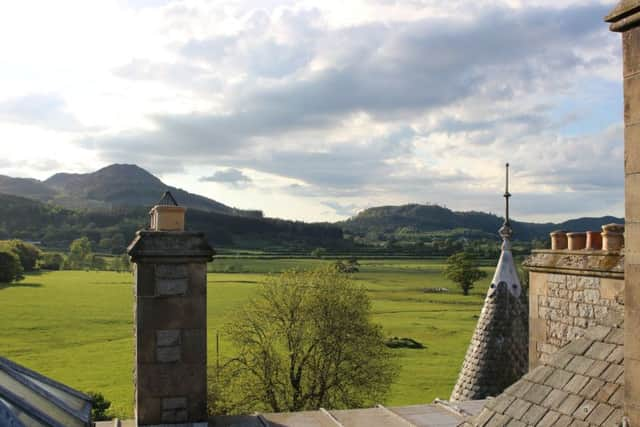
170	320
625	18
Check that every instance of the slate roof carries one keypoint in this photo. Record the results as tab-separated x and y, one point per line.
582	385
498	353
30	399
437	414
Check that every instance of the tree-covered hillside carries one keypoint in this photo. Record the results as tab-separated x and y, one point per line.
414	222
111	230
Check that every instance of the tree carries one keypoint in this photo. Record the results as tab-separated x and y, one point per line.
79	254
318	252
97	263
27	253
305	342
51	261
10	267
99	407
125	263
463	270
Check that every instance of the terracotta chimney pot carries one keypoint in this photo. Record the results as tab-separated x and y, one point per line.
612	237
558	240
594	240
576	241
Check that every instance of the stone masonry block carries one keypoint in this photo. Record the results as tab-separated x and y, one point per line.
166	380
187	313
198	279
169	287
168	337
631	149
631	51
632	283
169	403
194	346
632	205
631	96
632	384
169	354
145	280
537	284
148	407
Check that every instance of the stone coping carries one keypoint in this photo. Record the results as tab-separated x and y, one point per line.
580	263
173	246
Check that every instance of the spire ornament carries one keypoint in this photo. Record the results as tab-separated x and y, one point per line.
498	353
506	232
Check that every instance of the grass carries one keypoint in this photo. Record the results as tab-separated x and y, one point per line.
77	326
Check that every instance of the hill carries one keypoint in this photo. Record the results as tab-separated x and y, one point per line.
414	221
114	186
110	230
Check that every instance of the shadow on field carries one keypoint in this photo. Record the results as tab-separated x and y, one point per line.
19	285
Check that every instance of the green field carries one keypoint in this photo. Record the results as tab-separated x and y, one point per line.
77	326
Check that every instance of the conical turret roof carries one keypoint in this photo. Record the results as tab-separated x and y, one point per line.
498	353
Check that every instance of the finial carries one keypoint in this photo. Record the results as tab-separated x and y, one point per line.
167	199
505	231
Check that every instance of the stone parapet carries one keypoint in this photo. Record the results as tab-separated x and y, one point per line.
570	292
579	263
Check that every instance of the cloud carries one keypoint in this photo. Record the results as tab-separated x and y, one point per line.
403	109
230	176
44	110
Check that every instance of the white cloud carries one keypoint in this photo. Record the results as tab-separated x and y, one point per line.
374	102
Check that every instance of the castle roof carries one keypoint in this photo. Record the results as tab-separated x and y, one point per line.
581	385
498	353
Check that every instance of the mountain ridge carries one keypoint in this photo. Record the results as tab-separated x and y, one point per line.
421	219
116	185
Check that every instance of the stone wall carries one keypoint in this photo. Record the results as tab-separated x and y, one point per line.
570	291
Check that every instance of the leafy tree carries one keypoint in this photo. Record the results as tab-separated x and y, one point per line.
97	262
463	270
51	261
79	254
318	252
125	263
27	253
10	267
305	342
100	407
121	263
349	266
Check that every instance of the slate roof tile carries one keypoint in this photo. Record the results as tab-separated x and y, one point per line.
576	384
580	385
534	414
600	414
585	408
555	399
592	388
549	419
580	364
600	350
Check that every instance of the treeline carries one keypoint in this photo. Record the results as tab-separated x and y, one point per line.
18	257
111	230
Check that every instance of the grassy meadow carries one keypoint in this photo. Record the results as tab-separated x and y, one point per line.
77	326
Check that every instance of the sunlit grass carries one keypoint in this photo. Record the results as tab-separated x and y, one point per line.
77	326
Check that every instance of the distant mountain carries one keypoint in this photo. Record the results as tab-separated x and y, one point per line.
111	230
26	187
415	218
118	185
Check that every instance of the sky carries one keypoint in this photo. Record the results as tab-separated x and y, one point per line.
315	110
